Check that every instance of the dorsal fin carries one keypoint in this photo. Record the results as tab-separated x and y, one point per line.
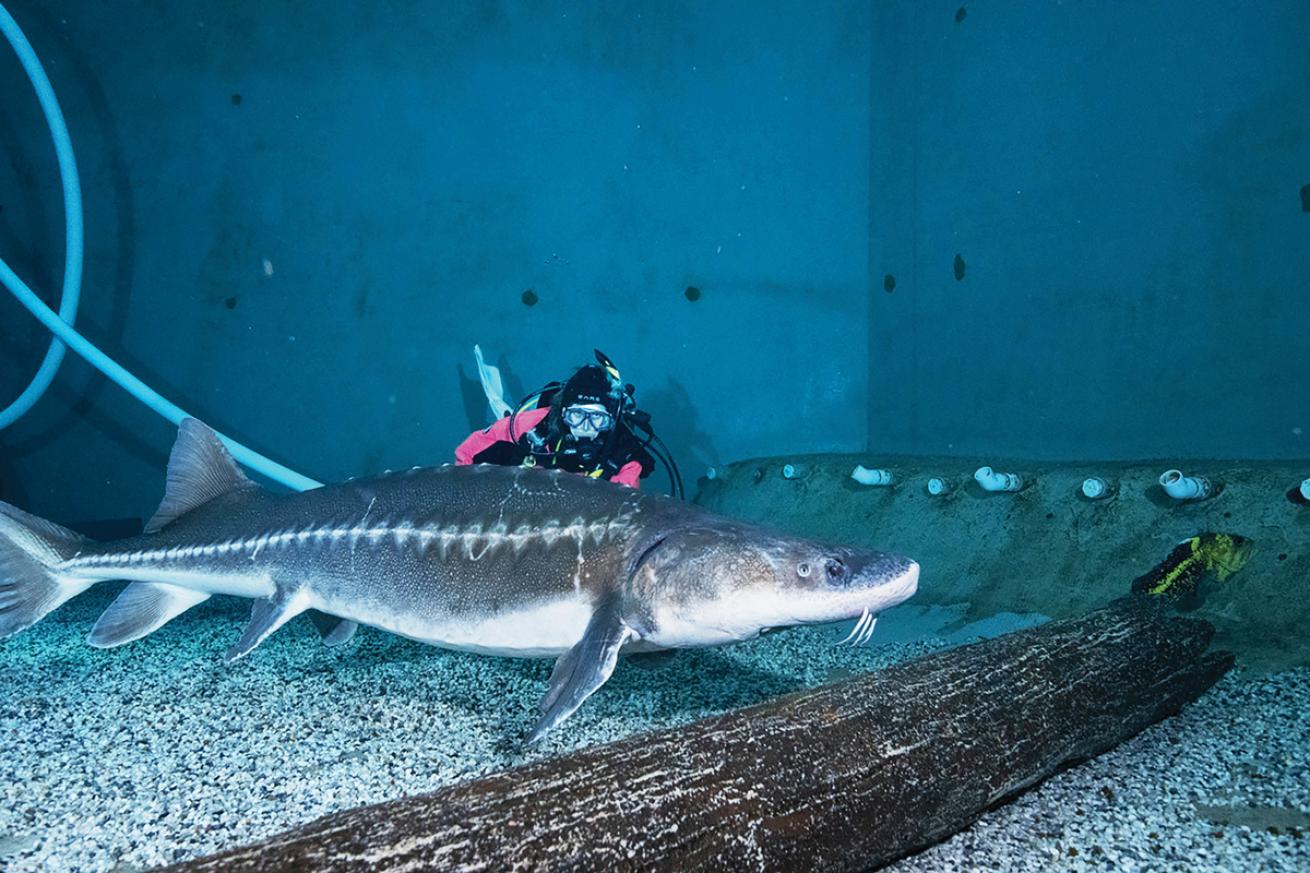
199	469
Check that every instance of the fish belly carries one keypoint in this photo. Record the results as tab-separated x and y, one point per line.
543	628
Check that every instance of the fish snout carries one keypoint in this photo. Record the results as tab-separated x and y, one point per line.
910	579
875	569
892	578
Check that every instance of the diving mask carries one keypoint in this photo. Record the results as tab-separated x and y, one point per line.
586	421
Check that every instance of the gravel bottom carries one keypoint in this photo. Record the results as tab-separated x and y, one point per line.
157	752
1223	786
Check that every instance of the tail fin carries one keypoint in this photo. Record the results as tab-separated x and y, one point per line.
30	586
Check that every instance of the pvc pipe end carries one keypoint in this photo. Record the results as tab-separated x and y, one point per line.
865	476
1095	488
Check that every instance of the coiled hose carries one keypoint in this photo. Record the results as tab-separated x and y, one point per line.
61	324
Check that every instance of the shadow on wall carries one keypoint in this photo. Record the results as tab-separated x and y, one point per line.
477	412
675	419
9	490
32	254
82	98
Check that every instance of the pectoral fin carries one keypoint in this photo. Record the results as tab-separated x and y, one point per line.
266	616
583	668
334	631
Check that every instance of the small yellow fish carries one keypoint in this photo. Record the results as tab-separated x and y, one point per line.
1177	576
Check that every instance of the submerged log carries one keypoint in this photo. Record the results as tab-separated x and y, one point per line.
847	776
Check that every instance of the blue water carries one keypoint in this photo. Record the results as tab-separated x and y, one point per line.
1036	230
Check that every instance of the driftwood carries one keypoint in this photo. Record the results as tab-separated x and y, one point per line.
843	777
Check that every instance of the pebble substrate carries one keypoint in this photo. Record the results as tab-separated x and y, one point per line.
157	752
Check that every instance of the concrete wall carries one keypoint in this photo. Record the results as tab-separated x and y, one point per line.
301	216
1123	185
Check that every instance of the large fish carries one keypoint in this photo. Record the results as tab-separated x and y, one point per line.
502	561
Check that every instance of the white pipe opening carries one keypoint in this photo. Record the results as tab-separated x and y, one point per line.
1096	488
865	476
991	480
1181	487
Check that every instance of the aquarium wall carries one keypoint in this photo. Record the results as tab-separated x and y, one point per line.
1034	229
1097	226
301	217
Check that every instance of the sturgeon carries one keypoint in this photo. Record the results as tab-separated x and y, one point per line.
509	561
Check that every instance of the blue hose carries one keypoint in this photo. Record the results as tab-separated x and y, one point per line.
61	324
139	389
54	355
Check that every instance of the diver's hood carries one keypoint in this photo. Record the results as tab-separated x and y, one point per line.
590	384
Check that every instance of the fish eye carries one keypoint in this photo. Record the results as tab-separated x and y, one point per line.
836	569
803	568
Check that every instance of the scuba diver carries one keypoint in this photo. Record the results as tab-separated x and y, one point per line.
588	425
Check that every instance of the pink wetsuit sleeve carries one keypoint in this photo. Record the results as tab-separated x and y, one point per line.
629	474
478	441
